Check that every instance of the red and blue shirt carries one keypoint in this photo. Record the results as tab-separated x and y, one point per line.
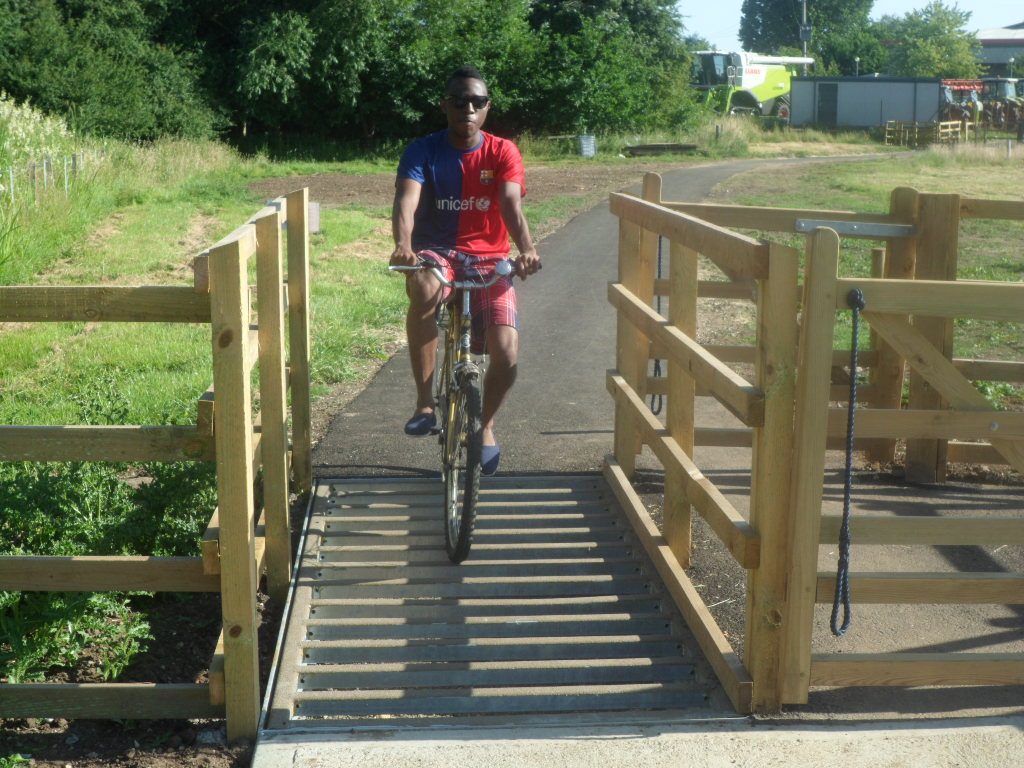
459	207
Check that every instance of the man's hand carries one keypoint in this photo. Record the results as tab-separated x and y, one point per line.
527	263
403	256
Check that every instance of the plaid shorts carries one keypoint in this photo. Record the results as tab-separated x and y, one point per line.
490	306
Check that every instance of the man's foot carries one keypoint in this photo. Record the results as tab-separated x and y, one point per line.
490	456
421	424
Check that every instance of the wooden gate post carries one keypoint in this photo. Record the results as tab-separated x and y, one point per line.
298	338
938	245
813	385
273	404
638	257
630	359
767	630
887	374
229	309
682	307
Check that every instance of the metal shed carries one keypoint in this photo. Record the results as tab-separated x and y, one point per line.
864	102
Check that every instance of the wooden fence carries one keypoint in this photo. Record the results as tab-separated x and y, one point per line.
777	545
241	541
913	134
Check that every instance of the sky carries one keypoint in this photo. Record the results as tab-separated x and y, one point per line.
719	21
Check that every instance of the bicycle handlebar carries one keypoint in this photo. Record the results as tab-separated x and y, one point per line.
503	268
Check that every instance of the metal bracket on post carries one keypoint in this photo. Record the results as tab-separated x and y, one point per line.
872	229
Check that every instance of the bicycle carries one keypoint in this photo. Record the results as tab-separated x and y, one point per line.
459	403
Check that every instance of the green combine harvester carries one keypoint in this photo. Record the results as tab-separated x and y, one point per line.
746	83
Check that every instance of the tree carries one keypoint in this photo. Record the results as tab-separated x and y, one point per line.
931	42
769	26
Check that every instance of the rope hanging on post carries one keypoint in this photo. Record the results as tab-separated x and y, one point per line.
657	401
855	300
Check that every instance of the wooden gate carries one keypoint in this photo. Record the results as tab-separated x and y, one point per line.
790	424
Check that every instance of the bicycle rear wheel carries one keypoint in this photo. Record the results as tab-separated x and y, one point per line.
463	445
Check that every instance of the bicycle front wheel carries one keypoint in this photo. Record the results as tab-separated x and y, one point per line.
463	445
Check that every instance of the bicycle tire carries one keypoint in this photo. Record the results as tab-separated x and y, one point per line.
463	446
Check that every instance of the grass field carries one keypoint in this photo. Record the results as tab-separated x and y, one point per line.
989	249
141	215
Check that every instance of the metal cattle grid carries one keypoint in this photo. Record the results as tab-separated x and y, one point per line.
553	611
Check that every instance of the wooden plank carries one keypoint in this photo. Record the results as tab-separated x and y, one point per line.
902	529
628	340
978	299
928	588
273	405
965	425
975	208
298	339
735	353
814	365
877	450
231	381
772	219
201	274
917	669
105	443
216	672
210	544
771	478
974	453
745	290
738	256
937	251
942	375
115	573
107	701
721	516
742	399
103	303
990	370
680	416
723	659
888	371
204	413
724	437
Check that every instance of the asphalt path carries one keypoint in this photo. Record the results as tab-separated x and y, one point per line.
558	417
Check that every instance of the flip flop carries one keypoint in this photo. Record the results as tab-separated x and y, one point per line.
421	424
490	455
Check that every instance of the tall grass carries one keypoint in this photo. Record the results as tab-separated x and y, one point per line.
37	231
714	136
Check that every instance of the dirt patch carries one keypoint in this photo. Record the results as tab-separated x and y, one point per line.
543	182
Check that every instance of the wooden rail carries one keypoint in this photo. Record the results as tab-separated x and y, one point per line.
238	548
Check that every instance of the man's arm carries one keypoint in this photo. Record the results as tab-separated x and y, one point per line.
511	195
407	197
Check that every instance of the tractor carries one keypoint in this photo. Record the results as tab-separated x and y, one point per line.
1004	107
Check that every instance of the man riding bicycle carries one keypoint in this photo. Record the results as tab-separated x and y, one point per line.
458	197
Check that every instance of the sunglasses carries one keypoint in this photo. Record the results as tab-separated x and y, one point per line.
461	102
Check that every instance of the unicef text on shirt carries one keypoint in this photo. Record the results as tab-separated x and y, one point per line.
451	204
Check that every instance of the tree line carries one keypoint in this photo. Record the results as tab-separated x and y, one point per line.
346	69
929	42
373	70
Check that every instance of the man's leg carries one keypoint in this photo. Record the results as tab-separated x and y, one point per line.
424	293
503	347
